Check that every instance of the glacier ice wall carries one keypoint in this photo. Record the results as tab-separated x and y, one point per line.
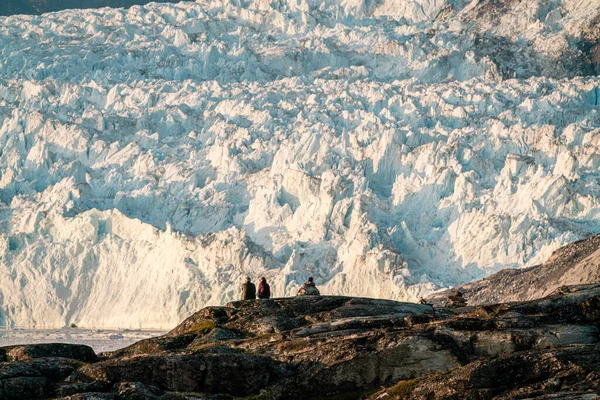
151	158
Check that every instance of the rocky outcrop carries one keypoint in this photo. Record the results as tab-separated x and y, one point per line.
333	346
569	372
45	350
34	379
575	264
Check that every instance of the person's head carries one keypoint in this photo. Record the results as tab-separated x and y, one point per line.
263	279
310	278
248	279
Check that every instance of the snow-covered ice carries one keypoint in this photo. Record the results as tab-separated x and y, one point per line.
151	158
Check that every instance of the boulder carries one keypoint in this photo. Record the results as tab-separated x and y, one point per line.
43	350
572	372
33	379
228	373
23	387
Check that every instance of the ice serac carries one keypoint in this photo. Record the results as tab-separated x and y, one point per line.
150	158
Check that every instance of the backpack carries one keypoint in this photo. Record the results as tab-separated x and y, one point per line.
308	290
312	290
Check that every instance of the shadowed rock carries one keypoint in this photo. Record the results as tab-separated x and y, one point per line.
571	372
31	351
33	379
228	373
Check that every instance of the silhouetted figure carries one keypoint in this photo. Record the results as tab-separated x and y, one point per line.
264	290
248	290
309	288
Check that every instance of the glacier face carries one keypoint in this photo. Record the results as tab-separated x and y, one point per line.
151	158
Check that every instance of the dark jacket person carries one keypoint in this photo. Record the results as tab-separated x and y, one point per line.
248	290
264	290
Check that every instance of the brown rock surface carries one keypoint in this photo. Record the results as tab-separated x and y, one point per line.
44	350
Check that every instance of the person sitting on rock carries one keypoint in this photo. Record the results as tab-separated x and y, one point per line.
456	299
264	290
248	290
309	288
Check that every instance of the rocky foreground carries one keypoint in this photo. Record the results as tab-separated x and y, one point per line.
336	348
